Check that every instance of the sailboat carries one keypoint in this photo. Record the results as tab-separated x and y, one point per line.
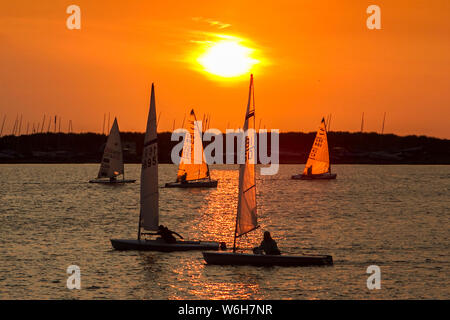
246	217
149	209
191	174
318	164
112	160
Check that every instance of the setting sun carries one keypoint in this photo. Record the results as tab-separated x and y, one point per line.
227	58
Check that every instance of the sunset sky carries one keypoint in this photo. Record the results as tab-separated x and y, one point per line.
310	59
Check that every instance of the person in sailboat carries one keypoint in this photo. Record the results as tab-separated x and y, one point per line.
309	171
183	178
268	245
166	234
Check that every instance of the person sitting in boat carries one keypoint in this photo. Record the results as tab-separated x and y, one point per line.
309	171
268	245
166	234
183	178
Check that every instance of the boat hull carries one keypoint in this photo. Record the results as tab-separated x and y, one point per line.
193	184
230	258
159	245
324	176
112	182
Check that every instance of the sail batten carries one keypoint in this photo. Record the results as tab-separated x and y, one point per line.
246	219
319	158
149	211
189	169
112	160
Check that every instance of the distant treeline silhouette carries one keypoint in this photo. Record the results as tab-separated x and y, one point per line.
345	147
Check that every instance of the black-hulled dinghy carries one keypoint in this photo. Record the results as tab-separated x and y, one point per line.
246	218
149	209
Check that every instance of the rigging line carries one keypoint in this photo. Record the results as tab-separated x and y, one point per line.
248	189
237	236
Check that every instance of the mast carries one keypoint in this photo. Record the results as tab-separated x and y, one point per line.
104	120
182	124
362	123
13	132
49	124
246	219
159	117
43	122
20	124
149	196
3	124
327	127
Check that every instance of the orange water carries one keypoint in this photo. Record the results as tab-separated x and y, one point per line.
396	217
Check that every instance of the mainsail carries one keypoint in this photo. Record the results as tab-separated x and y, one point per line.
246	212
192	167
319	158
112	161
148	218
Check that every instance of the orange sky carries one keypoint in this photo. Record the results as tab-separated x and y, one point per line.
318	58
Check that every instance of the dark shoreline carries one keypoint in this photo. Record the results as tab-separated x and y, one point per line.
345	148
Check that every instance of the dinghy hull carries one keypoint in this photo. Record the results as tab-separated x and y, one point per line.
159	245
230	258
193	184
324	176
112	182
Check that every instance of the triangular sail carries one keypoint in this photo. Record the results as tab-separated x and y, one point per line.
149	213
319	158
189	170
112	161
246	212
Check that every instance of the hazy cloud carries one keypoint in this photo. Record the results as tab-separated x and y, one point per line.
212	22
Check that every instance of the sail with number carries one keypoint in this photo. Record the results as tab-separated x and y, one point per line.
149	214
192	164
246	212
112	161
319	158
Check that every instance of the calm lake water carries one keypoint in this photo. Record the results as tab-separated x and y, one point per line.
396	217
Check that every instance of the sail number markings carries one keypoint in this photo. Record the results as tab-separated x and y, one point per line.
317	145
150	156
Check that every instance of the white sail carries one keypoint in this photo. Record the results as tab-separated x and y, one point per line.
246	212
112	161
188	168
319	158
149	213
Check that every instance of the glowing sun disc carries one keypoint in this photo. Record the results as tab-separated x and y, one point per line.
227	58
